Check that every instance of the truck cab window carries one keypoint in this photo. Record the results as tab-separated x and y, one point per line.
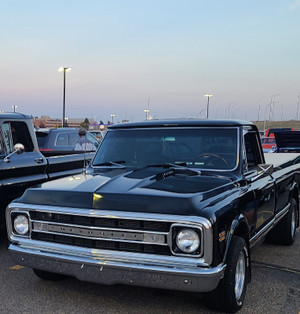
251	150
7	137
62	139
16	132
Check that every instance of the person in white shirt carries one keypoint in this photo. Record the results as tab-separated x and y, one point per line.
84	143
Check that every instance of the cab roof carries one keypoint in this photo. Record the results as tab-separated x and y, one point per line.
181	123
14	115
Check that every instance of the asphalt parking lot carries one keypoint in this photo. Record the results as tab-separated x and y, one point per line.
275	288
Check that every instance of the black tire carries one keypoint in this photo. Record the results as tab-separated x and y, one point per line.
230	294
285	231
45	275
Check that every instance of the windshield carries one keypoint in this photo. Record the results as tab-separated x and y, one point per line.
204	148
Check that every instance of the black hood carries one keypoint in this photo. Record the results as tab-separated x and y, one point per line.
147	189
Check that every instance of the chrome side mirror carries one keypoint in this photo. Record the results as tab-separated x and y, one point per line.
268	169
262	170
18	148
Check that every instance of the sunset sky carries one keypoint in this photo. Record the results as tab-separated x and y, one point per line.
170	53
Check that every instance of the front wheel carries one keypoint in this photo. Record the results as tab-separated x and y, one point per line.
45	275
230	294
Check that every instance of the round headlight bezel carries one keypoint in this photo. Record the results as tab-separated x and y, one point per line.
180	234
21	224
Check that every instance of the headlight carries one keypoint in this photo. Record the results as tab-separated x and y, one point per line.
21	224
187	240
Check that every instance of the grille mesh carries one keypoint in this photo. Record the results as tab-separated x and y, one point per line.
101	222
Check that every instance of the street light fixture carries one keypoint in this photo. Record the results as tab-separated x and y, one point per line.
112	118
64	69
207	106
14	107
147	113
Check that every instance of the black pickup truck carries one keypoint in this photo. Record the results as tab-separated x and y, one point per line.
22	164
164	204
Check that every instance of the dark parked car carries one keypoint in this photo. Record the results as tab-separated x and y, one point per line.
60	140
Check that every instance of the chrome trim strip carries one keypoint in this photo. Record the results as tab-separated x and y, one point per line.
98	213
86	232
261	233
96	227
99	255
269	225
282	213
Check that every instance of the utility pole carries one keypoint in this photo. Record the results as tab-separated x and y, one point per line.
207	105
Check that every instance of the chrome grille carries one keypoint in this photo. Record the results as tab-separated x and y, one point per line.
101	221
110	233
141	236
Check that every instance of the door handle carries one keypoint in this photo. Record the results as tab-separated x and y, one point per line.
39	160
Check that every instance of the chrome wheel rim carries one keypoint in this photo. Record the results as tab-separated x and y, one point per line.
293	223
240	274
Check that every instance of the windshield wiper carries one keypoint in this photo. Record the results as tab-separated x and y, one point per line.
112	163
167	165
179	168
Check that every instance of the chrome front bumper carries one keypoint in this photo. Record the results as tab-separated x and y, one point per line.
105	270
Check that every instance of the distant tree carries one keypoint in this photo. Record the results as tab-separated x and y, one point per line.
101	122
85	124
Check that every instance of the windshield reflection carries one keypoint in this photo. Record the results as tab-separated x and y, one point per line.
205	148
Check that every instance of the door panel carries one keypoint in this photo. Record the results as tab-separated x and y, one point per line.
23	170
264	189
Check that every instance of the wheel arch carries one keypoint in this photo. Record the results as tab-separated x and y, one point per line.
239	227
296	196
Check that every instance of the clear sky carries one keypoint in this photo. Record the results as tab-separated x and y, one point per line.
126	53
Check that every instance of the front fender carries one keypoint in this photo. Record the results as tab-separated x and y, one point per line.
239	227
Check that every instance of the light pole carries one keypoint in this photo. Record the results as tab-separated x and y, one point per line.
14	107
64	69
147	112
207	106
298	106
112	118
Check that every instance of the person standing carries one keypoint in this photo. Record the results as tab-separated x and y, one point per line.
83	143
